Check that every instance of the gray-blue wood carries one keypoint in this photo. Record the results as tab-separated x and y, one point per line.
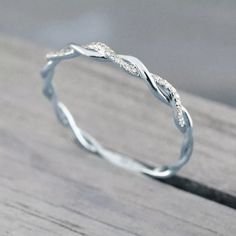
50	186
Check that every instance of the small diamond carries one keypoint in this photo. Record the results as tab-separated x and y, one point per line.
112	57
177	102
177	97
165	82
133	69
173	91
108	53
162	82
178	108
125	66
118	60
168	86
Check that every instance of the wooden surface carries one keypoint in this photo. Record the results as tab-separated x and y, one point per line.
49	186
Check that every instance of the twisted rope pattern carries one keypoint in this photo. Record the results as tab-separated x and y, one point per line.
162	89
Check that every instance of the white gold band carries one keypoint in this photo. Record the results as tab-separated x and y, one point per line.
161	89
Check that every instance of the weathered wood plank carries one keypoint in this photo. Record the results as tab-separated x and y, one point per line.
94	96
50	186
58	194
121	99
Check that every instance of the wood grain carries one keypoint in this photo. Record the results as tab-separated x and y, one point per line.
50	186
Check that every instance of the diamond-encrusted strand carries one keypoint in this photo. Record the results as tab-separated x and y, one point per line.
61	53
110	54
174	97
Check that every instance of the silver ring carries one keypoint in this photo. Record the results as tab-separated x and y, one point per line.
160	88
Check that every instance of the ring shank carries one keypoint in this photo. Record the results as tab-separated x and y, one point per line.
92	145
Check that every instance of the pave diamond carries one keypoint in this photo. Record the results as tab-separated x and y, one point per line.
174	96
108	53
63	52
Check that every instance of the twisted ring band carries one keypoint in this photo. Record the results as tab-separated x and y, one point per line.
160	88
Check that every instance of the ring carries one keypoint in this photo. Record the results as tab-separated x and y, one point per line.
160	88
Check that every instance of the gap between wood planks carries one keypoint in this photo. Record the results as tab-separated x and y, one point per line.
201	190
194	187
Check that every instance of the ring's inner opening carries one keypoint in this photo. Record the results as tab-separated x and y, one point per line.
118	111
